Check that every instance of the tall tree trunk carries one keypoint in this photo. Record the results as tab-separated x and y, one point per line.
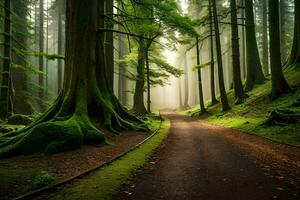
294	58
20	100
5	103
41	49
201	98
242	3
265	41
254	69
109	43
148	82
236	65
138	100
59	50
279	84
224	100
122	71
85	95
283	10
180	94
186	84
212	58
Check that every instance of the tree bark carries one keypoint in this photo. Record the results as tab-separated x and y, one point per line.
224	100
186	84
254	69
283	10
41	49
109	43
201	98
236	65
279	84
85	97
212	58
294	58
59	50
138	100
265	41
5	103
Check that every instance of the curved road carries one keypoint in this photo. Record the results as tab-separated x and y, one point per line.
202	161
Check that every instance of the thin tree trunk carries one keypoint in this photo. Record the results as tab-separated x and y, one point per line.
224	100
5	107
254	69
243	39
186	84
236	65
41	49
212	58
201	98
279	84
148	82
59	50
265	41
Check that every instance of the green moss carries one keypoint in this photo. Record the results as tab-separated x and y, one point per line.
250	115
104	183
15	179
41	180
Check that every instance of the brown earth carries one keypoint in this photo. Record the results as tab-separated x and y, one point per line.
203	161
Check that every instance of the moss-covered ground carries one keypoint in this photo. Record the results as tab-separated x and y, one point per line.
105	182
16	180
251	115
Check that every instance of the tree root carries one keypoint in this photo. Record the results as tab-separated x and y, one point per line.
282	117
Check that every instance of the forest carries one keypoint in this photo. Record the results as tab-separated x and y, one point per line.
150	99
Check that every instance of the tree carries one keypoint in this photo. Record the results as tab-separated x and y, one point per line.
60	16
237	81
279	84
109	43
41	48
85	94
224	100
212	57
201	98
294	58
265	42
254	69
5	102
283	10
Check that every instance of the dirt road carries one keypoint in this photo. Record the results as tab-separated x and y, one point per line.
206	162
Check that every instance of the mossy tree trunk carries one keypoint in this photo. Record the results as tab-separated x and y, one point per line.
254	69
5	103
279	84
212	58
236	65
224	100
138	99
294	58
85	97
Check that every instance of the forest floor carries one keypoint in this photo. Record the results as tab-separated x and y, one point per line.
25	173
251	115
200	160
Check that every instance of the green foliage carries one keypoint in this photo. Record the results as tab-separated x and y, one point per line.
202	65
42	180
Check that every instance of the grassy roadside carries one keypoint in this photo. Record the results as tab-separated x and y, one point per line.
104	183
250	115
